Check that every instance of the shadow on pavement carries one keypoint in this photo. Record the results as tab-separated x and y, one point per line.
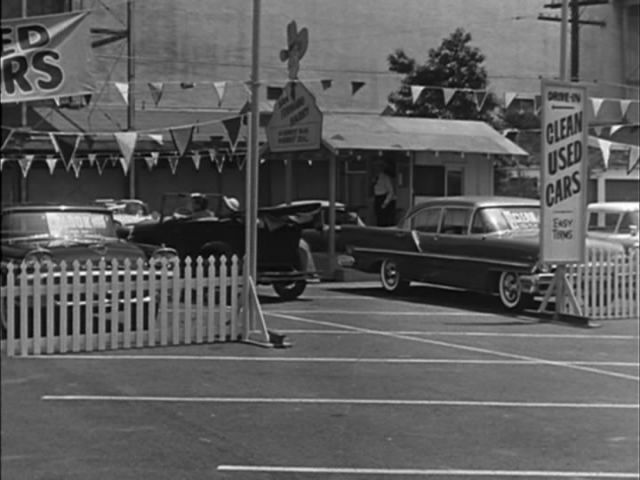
433	296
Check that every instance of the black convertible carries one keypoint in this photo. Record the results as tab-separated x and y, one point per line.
218	228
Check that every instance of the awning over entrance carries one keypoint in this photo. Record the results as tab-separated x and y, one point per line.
377	132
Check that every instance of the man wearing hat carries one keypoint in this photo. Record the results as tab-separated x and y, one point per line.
200	206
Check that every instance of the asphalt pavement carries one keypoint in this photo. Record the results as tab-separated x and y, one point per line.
439	384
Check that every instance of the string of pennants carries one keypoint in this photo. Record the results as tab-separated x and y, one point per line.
596	102
273	92
152	159
606	146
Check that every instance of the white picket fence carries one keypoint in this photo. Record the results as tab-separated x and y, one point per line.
107	306
607	285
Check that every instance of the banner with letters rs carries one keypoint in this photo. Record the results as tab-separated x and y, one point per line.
563	174
46	57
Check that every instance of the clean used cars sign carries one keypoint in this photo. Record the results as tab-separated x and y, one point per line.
563	172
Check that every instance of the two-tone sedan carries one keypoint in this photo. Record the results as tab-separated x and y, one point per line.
52	234
483	244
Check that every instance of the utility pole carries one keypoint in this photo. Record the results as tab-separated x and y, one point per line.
110	35
575	21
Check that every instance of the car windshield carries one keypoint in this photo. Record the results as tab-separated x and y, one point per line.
607	222
500	219
68	224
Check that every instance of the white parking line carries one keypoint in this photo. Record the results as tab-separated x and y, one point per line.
441	313
458	346
211	358
463	334
422	472
338	401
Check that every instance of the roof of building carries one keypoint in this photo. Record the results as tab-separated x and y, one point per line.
378	132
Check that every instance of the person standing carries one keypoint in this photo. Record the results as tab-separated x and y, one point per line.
384	197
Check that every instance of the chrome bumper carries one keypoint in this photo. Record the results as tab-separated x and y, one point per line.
536	283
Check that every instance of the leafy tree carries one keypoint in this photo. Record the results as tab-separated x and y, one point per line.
454	64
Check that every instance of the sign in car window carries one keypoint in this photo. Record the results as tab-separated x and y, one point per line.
563	171
520	219
77	224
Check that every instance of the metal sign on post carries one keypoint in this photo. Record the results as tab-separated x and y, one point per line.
563	176
563	172
296	123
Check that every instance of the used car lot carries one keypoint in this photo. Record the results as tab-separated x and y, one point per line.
428	385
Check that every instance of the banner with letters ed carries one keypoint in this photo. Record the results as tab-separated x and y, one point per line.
46	57
563	172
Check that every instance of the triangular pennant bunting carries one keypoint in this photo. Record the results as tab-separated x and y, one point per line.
124	164
100	164
173	164
624	106
51	163
196	160
480	96
596	103
25	164
274	93
181	138
241	162
75	164
114	161
87	99
326	83
220	88
156	137
356	85
66	145
232	126
156	89
219	163
448	94
416	90
127	143
615	128
6	135
605	148
597	130
509	97
123	89
92	159
212	154
150	162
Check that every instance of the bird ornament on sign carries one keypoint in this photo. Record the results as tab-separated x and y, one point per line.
297	43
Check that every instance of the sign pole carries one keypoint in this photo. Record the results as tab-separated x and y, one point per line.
251	174
131	99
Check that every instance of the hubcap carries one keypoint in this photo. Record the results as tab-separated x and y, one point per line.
390	273
510	287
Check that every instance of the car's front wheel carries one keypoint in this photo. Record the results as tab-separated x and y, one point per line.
512	297
290	290
391	279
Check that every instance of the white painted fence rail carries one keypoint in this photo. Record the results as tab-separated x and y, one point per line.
608	285
107	306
